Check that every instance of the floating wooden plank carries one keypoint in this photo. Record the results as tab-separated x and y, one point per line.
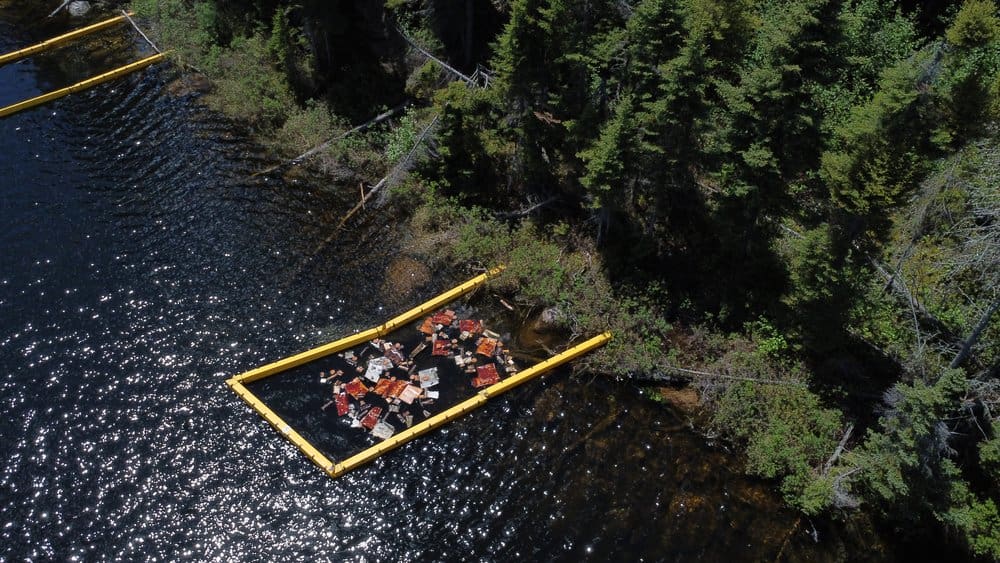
59	40
80	86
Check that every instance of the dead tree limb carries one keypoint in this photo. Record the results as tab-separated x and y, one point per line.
903	292
361	204
662	377
973	338
59	9
444	65
326	144
840	449
527	210
148	40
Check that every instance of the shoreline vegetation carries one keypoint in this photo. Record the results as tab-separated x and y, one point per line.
787	206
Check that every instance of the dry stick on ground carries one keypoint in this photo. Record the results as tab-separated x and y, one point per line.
526	211
892	283
326	144
59	9
381	183
902	292
131	21
973	338
395	169
660	378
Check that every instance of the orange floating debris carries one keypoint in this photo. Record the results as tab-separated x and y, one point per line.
382	387
356	388
396	387
487	347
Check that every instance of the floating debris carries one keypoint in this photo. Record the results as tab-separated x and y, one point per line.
388	391
428	377
485	375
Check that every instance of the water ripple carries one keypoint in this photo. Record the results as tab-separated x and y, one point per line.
139	272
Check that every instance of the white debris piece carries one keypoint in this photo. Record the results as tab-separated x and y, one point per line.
78	8
428	377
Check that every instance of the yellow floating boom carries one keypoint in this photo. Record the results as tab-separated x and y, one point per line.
59	40
88	83
281	426
362	337
462	408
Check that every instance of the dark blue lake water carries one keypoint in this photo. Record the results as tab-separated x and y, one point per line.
140	269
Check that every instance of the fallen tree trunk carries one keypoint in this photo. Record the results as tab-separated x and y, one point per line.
662	377
443	64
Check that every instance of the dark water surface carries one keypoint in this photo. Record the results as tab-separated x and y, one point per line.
140	270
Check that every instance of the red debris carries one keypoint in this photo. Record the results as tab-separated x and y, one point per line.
342	405
371	418
428	326
485	375
442	347
470	325
356	388
445	318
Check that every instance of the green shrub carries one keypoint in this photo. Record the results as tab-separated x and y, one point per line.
976	24
305	127
401	138
788	435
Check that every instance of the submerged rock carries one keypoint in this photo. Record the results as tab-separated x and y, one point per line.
190	84
684	399
403	277
548	320
78	8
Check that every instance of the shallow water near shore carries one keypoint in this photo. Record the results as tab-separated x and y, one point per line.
141	268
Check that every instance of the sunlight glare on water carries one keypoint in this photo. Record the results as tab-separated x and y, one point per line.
141	269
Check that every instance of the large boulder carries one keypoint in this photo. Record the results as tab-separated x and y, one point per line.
548	320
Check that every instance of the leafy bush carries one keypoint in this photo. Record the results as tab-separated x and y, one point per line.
788	435
251	72
975	24
401	138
